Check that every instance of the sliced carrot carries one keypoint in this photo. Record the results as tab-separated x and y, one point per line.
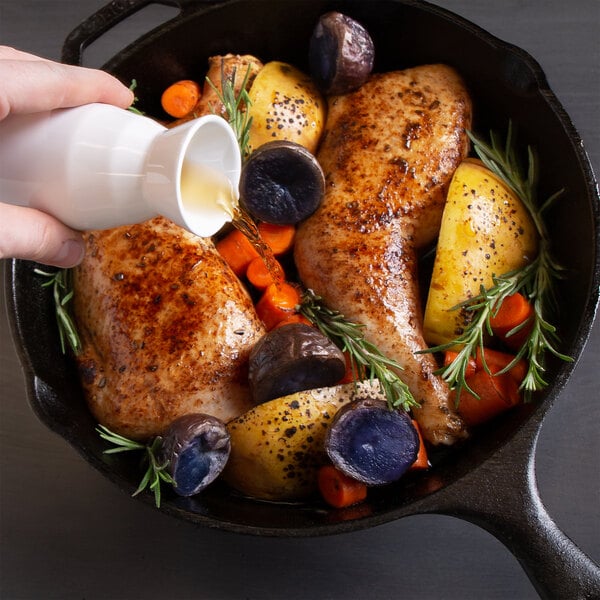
278	302
180	98
293	318
339	490
422	461
261	275
351	373
496	361
237	251
450	357
280	238
497	393
513	311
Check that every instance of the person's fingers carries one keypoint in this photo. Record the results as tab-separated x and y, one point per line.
34	235
30	85
83	86
7	52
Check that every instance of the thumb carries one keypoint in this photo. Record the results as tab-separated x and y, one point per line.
31	234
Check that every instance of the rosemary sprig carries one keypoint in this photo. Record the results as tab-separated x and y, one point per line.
155	472
133	108
364	355
236	106
535	280
62	292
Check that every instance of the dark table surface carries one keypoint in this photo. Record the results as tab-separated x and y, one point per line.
65	532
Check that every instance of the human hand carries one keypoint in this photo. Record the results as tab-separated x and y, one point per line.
32	84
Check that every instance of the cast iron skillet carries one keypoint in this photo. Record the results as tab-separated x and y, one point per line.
489	481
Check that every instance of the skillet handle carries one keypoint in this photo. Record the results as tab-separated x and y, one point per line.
502	497
108	17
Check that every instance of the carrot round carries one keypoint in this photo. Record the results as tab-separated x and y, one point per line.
349	376
293	318
497	393
422	461
339	490
513	311
353	372
237	250
261	275
496	361
280	238
278	302
180	98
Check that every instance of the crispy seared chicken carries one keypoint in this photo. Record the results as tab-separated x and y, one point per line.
389	151
166	328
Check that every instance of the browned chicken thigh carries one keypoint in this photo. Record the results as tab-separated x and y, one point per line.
389	151
166	328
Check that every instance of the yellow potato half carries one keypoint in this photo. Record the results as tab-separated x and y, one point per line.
278	446
486	230
285	105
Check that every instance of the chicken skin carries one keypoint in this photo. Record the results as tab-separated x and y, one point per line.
388	153
166	328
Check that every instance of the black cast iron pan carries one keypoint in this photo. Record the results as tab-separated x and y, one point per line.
490	480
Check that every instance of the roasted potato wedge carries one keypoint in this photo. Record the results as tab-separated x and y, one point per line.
278	446
285	105
485	231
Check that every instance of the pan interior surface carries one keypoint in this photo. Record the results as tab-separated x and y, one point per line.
505	83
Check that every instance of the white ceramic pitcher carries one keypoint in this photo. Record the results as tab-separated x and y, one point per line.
98	166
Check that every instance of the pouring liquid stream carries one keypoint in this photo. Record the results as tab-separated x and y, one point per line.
200	182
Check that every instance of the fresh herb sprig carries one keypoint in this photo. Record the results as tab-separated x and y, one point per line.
535	280
236	106
155	473
364	355
132	108
62	293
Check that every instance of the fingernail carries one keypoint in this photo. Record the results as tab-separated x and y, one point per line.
70	253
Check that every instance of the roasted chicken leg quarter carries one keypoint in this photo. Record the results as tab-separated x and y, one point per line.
388	152
166	329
